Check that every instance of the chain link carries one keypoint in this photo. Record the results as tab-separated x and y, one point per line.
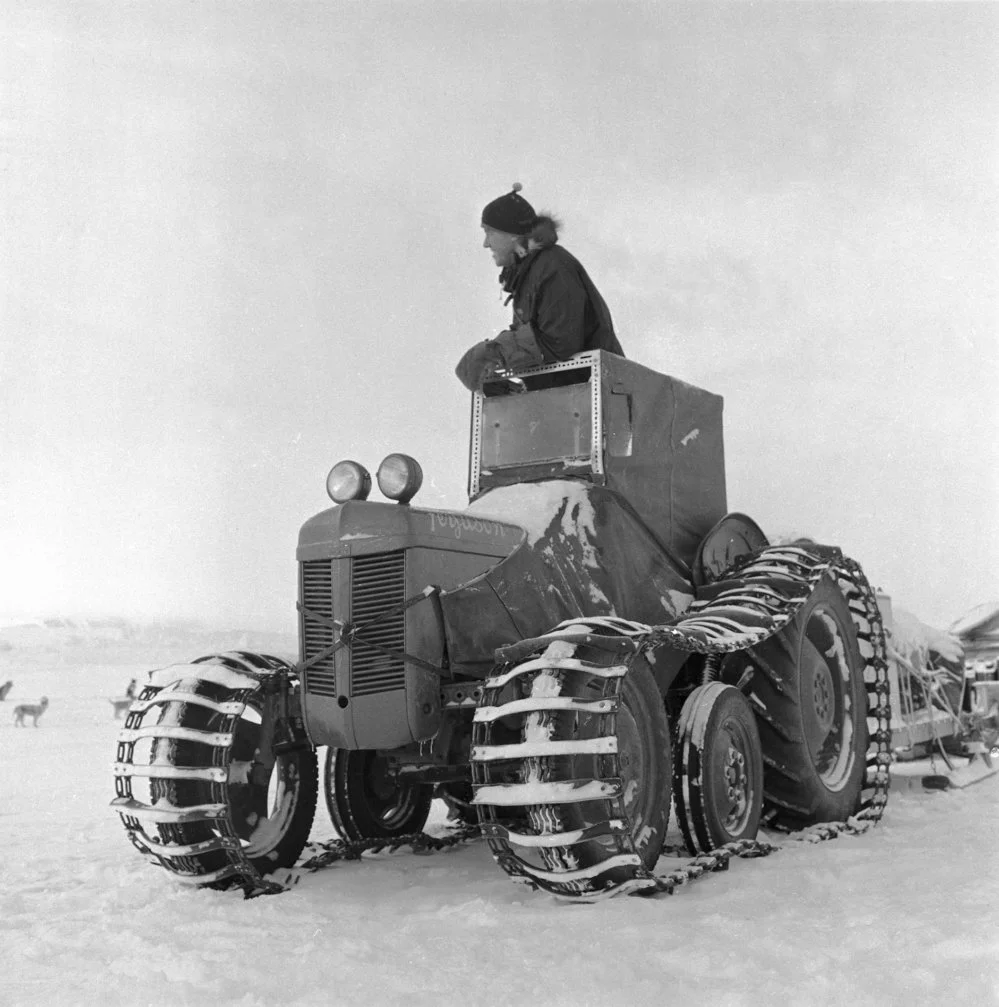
751	849
336	851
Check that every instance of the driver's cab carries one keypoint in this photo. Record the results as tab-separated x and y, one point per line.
609	421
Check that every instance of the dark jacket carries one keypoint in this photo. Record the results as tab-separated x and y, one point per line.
553	294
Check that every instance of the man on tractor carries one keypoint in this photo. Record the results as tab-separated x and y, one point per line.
557	309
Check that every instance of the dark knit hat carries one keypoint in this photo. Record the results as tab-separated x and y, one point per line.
510	213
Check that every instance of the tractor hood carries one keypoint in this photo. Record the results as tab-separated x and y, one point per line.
517	562
360	527
368	566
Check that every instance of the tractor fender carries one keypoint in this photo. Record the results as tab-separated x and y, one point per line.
733	537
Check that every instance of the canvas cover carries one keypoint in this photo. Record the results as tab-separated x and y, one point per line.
674	473
586	553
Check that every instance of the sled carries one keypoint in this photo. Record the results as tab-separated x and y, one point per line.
935	774
944	722
121	704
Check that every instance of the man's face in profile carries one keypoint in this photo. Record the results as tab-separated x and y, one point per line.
502	245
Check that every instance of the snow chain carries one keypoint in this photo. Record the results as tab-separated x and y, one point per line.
334	850
240	675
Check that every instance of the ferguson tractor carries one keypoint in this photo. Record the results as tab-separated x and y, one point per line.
592	641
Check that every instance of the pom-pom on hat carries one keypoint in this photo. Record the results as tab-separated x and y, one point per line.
510	213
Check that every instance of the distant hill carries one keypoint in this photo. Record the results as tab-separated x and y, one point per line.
115	640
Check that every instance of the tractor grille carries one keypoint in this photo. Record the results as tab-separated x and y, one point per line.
378	583
317	596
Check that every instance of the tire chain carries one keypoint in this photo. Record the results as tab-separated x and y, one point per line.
260	674
334	851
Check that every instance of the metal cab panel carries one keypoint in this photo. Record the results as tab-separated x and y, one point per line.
654	439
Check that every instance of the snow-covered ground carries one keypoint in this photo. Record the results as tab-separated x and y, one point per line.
904	915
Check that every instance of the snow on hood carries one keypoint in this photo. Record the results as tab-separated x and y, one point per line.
533	505
914	639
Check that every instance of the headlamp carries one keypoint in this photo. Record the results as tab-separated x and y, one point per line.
348	481
400	477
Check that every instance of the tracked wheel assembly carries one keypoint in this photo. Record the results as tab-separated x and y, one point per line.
573	765
205	787
570	758
551	748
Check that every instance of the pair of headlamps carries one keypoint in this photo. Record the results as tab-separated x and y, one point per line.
399	478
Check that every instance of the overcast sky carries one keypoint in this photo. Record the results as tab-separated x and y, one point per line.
241	241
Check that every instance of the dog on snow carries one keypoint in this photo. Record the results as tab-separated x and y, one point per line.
121	706
33	710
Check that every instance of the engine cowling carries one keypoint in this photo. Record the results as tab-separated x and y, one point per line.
372	637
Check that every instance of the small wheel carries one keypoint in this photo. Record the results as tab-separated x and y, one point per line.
365	802
718	768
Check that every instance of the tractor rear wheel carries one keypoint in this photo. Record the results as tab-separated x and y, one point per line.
366	802
812	713
717	769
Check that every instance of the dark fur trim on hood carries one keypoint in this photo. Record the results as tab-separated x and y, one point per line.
545	232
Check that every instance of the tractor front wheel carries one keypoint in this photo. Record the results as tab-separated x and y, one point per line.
644	758
199	774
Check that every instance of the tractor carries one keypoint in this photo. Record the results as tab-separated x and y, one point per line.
593	643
